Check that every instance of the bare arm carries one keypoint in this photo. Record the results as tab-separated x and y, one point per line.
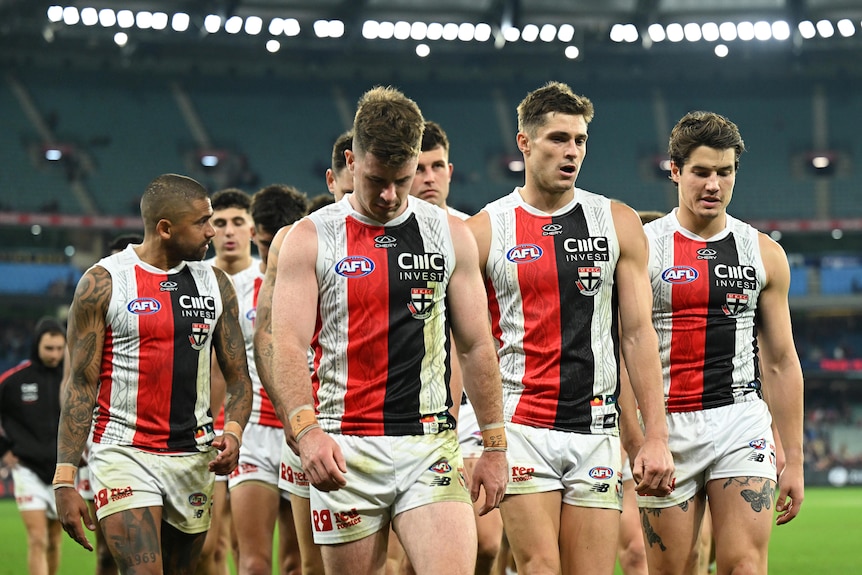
653	464
783	375
229	347
86	337
477	354
294	314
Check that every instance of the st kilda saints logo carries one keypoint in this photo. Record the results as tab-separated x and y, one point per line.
421	302
734	304
200	333
589	280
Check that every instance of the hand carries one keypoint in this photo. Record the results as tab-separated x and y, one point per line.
71	509
290	440
228	456
791	492
652	469
492	473
322	460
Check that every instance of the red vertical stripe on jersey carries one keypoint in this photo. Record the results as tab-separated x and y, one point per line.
106	382
690	304
267	410
156	366
538	285
367	365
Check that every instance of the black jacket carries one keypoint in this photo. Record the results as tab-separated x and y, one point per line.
30	413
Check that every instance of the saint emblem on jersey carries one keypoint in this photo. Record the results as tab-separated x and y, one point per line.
589	280
734	303
421	302
200	333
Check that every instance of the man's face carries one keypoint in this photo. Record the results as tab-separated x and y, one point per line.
433	174
234	230
263	240
554	154
380	191
192	230
51	346
705	183
339	183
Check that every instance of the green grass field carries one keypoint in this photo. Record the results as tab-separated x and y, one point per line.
823	539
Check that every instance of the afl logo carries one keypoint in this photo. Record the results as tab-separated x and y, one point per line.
524	253
144	306
601	472
168	285
354	267
552	229
251	314
441	466
385	242
197	499
757	443
706	254
679	275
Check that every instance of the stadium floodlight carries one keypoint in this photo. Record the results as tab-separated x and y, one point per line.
692	32
780	30
276	26
483	32
745	30
846	27
121	39
336	28
547	33
727	31
656	33
273	46
572	52
402	30
721	50
630	33
107	17
291	27
422	50
212	23
566	33
233	25
530	33
674	32
511	34
144	20
55	13
807	29
616	34
450	31
435	31
253	25
160	20
418	31
321	28
710	31
466	31
71	16
125	19
825	28
385	30
180	22
762	31
89	16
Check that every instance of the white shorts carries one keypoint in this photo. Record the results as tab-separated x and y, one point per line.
585	467
730	441
469	435
627	470
292	478
259	456
83	483
387	475
31	494
127	478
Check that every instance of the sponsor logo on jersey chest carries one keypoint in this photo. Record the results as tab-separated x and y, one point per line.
679	275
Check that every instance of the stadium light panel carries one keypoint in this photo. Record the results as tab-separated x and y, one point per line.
121	39
572	52
656	33
55	13
418	31
762	31
780	30
692	32
212	23
180	22
144	20
276	26
273	46
435	31
727	31
125	19
721	50
402	30
450	31
253	25
70	16
321	28
422	50
548	33
386	30
616	34
89	16
466	31
530	33
511	34
745	31
825	28
710	31
566	33
807	29
846	27
674	32
291	27
483	32
107	17
233	25
630	33
160	20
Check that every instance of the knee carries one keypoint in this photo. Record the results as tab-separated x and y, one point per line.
489	548
255	565
633	558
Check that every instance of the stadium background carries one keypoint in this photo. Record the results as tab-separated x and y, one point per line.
88	118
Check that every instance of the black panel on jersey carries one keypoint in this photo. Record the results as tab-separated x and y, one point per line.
720	341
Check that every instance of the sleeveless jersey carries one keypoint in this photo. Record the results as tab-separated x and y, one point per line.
154	380
704	304
381	344
553	302
247	284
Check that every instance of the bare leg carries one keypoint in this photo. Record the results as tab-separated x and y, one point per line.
363	557
671	536
134	539
742	514
312	560
255	509
288	542
533	530
631	552
445	529
36	524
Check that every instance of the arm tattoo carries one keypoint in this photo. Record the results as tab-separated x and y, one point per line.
86	335
230	352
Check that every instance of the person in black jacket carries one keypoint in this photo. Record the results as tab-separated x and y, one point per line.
29	416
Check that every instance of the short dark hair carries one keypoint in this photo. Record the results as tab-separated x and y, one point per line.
277	205
388	125
342	143
167	197
552	97
434	137
708	129
231	198
119	243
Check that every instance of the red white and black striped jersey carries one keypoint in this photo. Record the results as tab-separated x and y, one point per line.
381	344
154	380
705	295
553	308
